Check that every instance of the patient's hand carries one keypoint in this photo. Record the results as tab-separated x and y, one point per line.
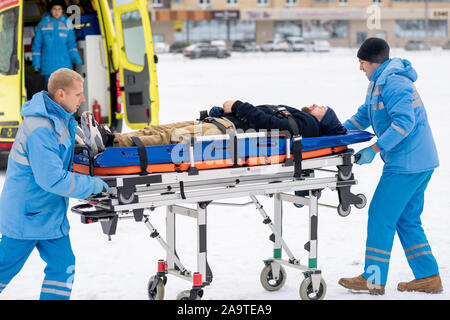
227	106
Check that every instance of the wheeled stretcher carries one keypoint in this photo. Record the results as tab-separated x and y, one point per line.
213	168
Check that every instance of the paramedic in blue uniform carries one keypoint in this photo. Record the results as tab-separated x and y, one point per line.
38	184
54	45
395	111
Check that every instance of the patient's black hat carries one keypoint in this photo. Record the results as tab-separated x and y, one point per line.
374	50
330	124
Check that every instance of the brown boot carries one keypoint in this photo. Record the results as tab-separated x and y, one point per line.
359	283
431	284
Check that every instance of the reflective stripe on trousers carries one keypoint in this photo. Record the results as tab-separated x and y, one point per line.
396	207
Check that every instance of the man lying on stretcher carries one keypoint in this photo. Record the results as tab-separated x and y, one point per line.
311	121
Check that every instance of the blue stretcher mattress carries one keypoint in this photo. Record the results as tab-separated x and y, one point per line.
216	150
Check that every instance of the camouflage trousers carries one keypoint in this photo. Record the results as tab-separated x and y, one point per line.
170	133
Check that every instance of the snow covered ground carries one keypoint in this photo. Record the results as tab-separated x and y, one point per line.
237	240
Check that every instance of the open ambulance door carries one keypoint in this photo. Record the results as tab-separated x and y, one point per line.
137	70
12	91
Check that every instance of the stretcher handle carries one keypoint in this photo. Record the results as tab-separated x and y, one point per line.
90	157
85	209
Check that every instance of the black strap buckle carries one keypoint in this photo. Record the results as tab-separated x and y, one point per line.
142	155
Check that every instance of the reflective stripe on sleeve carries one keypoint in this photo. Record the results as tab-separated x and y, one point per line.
72	185
30	124
18	157
356	123
400	130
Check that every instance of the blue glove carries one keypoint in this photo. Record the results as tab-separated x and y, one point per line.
366	156
216	112
36	68
99	185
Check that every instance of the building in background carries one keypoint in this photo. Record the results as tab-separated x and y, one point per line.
341	22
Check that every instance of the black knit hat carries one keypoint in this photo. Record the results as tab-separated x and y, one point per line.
53	3
330	124
374	50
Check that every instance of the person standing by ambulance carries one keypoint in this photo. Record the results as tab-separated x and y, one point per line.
395	111
54	45
38	184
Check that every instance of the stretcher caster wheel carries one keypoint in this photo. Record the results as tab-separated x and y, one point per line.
364	201
156	288
186	295
267	280
343	212
307	293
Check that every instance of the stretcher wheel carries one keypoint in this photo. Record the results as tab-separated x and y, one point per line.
343	212
306	290
267	280
185	294
364	201
156	293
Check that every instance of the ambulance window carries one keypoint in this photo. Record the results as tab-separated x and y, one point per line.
133	37
8	31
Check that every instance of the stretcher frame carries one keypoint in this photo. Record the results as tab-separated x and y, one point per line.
130	195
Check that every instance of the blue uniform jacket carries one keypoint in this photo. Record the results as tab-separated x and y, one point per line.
39	182
54	45
395	111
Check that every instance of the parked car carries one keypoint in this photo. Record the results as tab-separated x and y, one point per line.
178	47
296	43
161	47
244	46
276	45
199	50
219	43
320	46
417	45
446	46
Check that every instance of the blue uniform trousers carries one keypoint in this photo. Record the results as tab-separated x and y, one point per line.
396	206
58	255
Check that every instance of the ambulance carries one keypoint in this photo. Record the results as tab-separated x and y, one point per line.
114	41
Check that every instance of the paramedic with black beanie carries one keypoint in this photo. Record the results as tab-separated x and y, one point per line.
395	111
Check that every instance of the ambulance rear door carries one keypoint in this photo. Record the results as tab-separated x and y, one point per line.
11	70
137	68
